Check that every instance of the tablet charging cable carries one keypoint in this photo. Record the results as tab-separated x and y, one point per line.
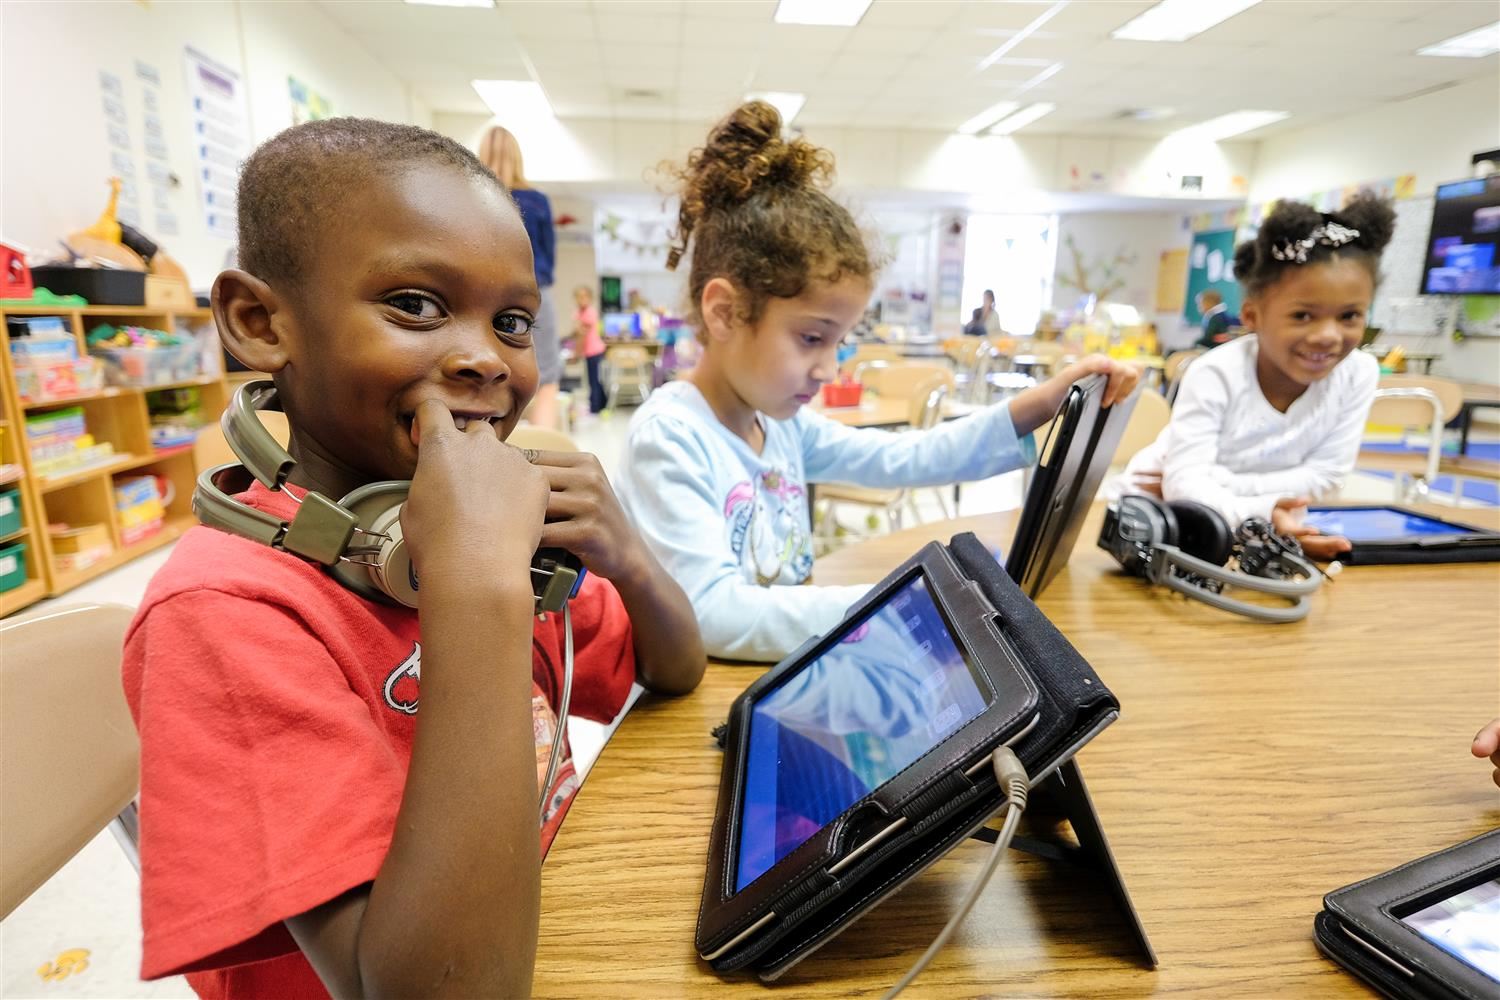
555	757
1011	777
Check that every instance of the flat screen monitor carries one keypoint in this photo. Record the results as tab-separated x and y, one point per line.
1463	252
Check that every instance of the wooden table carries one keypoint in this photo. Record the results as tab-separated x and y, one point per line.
1255	768
879	411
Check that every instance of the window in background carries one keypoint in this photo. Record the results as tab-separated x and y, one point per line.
1015	256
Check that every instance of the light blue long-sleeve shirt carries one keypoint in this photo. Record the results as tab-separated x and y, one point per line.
732	526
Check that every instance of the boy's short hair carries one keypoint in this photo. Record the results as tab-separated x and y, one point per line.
294	181
1208	298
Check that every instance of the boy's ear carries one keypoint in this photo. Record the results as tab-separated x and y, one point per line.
719	306
245	311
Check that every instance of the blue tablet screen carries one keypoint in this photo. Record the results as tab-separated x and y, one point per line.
891	689
1467	925
1378	524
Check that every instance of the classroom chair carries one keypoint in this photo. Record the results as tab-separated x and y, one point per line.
1173	369
627	367
1412	402
541	438
924	410
892	380
1150	416
68	748
872	352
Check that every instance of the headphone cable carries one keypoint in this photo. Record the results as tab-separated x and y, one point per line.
562	712
1011	777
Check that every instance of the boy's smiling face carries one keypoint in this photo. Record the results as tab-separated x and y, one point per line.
420	286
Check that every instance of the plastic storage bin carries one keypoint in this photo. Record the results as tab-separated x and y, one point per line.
12	566
148	366
836	394
10	511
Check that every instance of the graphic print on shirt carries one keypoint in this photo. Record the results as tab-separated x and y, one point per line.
767	523
403	685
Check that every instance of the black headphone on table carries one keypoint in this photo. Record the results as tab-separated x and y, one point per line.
357	540
1188	546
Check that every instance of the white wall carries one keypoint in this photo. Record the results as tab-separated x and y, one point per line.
53	147
1432	137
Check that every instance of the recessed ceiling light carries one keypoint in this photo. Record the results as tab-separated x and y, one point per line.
1470	45
987	117
1179	20
836	13
1022	118
786	102
452	3
514	100
1231	124
1020	36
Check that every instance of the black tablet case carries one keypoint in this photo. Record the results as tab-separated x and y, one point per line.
1414	553
1360	908
1073	706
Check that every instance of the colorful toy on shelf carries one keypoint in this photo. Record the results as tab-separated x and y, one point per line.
60	443
139	356
15	276
45	357
139	508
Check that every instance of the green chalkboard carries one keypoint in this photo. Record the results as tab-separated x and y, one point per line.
1211	265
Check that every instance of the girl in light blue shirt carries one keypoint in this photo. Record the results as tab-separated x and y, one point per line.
717	463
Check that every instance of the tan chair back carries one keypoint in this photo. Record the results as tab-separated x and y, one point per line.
541	438
69	755
210	449
965	352
1173	367
891	381
925	406
1404	410
623	356
1151	414
872	352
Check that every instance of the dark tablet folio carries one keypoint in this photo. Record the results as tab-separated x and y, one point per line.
864	756
1429	929
1071	465
1390	534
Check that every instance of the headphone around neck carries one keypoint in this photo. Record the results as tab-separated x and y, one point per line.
1187	546
358	539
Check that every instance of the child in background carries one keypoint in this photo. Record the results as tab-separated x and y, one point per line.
587	340
1267	423
305	828
975	327
717	462
1216	319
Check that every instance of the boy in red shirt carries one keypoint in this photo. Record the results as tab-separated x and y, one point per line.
339	796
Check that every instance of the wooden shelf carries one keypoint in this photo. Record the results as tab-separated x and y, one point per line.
109	392
170	532
190	383
27	593
14	536
193	312
51	484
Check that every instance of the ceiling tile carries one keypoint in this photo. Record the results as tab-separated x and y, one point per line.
910	13
808	37
630	28
901	40
733	10
698	31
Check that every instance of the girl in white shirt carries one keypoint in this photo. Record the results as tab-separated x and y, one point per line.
1264	424
717	462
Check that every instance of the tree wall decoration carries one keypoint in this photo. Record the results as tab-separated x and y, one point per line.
1099	278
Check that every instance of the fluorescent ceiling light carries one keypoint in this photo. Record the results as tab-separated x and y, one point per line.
987	117
1019	36
784	101
514	100
1022	118
1042	77
452	3
837	13
1179	20
1470	45
1233	123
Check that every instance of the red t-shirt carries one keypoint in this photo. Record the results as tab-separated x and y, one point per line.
276	711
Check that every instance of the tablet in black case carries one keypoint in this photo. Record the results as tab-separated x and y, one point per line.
1429	930
1399	535
864	756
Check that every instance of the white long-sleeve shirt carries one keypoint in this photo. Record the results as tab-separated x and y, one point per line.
1229	448
732	527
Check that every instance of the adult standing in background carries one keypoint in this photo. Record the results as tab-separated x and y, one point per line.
990	318
500	151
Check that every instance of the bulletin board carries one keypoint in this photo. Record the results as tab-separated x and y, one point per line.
1211	266
1171	280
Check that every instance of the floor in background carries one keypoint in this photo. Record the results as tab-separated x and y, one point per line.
92	904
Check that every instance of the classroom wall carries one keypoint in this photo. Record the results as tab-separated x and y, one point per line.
1139	239
53	146
1431	136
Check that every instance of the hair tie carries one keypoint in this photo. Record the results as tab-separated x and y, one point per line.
1329	234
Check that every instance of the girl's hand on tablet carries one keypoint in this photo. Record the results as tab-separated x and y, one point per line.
1487	744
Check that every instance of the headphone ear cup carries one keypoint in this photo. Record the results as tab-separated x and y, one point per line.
1202	531
1144	524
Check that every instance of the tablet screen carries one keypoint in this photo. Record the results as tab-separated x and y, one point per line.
1378	524
892	688
1466	924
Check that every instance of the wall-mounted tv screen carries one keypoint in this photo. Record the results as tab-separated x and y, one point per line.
1463	253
